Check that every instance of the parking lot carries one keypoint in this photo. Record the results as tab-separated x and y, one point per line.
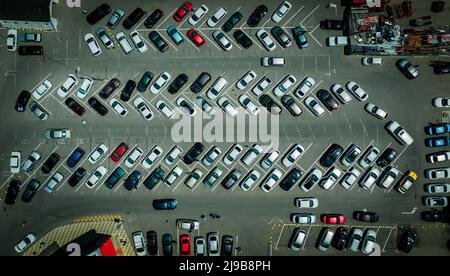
258	221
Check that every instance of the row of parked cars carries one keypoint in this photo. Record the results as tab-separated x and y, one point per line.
13	37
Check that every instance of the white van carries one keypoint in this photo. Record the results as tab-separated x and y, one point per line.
124	43
216	88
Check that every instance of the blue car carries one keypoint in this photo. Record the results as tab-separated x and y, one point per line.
164	204
115	177
437	142
115	18
75	157
437	129
175	35
300	37
133	180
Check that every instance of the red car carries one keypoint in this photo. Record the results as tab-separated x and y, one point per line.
333	219
182	11
185	245
119	152
196	37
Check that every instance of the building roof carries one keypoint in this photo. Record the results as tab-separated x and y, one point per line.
25	10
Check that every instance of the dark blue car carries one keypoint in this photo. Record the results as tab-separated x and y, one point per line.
437	142
437	129
133	180
164	204
75	157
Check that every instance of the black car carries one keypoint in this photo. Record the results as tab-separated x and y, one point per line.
231	179
98	106
407	241
200	82
128	90
114	178
329	24
270	104
158	41
154	17
340	238
178	83
243	39
193	153
50	163
435	216
133	180
145	81
153	179
152	243
386	158
350	154
281	36
257	15
232	21
75	106
76	177
167	245
98	14
133	18
443	69
365	216
30	190
109	88
327	99
13	192
227	246
22	101
331	155
32	50
291	179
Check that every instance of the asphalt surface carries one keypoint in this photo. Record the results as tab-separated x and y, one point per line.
259	221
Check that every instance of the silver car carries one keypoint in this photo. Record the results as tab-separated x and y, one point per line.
222	40
350	178
368	241
213	244
355	239
437	188
297	240
369	157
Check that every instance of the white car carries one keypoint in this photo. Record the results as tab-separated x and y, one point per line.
211	156
330	178
303	218
216	88
350	178
53	182
32	159
139	42
193	178
314	106
284	85
205	106
14	161
227	107
85	88
151	157
97	154
261	86
341	94
249	105
118	107
337	41
58	133
11	40
399	133
43	88
357	91
266	40
222	40
438	173
143	108
213	244
368	241
369	178
292	156
306	202
437	188
124	43
273	62
271	180
139	243
372	61
160	82
437	157
388	177
297	240
164	109
369	157
376	111
25	243
92	45
232	154
96	176
217	17
186	106
441	102
252	154
435	201
65	88
188	224
39	111
250	180
133	157
281	11
245	80
173	154
304	88
270	158
198	15
173	175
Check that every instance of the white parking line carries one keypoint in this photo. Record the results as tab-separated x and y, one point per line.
304	19
212	42
169	16
257	44
7	180
41	81
292	17
149	44
190	42
168	41
49	93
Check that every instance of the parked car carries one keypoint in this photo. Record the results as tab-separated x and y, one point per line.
368	157
407	69
331	155
303	218
32	159
232	21
369	178
406	182
350	178
305	86
441	102
341	94
98	106
281	37
13	191
138	42
291	179
50	163
357	91
85	88
51	184
167	245
300	38
98	14
386	158
186	106
292	155
435	201
196	37
185	245
115	18
327	99
139	243
399	133
281	11
330	24
165	204
269	159
249	105
325	238
283	86
232	154
175	35
127	91
173	154
96	176
132	180
243	39
261	86
151	157
158	41
178	83
38	111
75	157
11	40
388	177
157	175
227	246
193	178
266	40
437	173
194	153
114	178
124	43
231	179
32	50
199	246
97	153
330	178
165	109
337	41
25	243
355	239
376	111
251	178
316	108
227	107
220	14
152	243
271	180
173	175
153	18
213	244
31	190
199	13
92	45
437	142
133	18
42	89
14	162
182	11
75	106
368	241
67	85
212	177
160	82
311	179
211	156
257	15
202	80
245	80
437	188
251	155
333	219
407	241
365	216
109	88
366	61
340	238
118	107
297	240
437	129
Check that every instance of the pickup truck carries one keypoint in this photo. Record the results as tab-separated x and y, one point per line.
334	41
30	37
